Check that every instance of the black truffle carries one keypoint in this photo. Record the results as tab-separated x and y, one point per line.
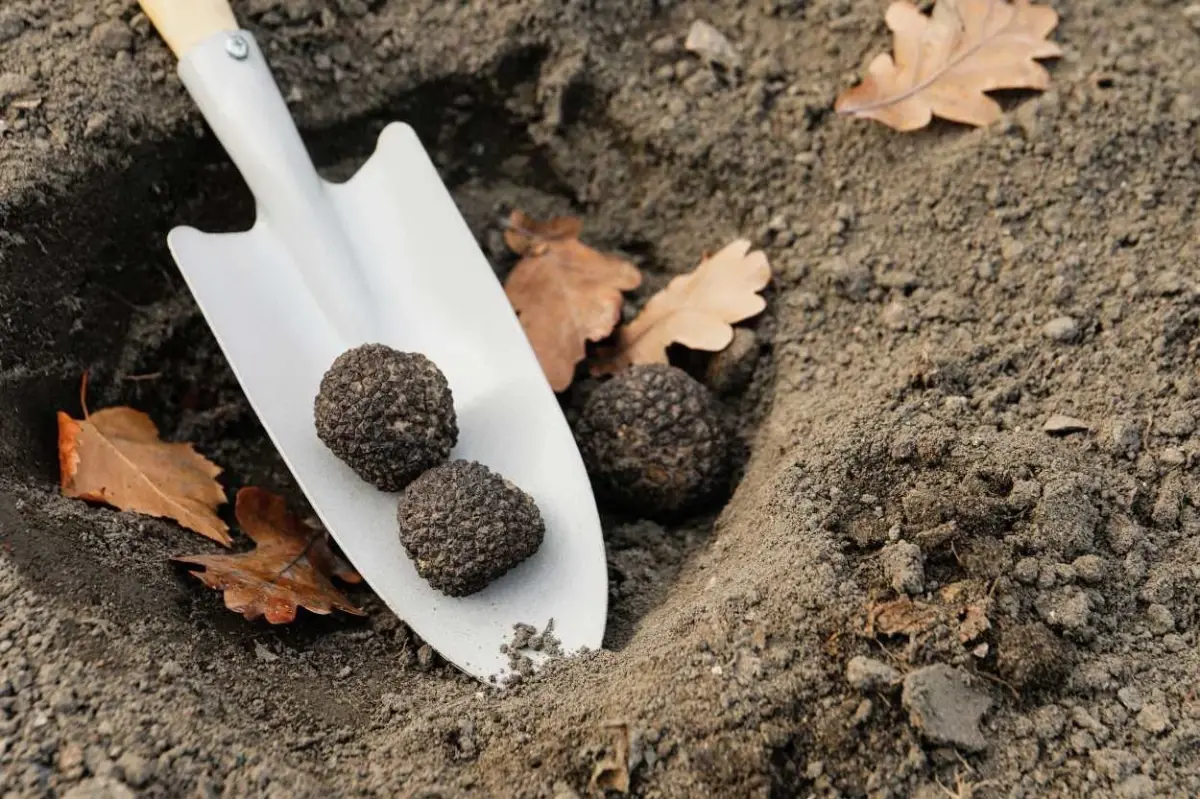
389	415
653	441
465	526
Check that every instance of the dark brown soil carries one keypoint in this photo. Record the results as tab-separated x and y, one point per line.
940	296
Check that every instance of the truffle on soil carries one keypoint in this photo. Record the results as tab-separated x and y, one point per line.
653	441
388	415
465	526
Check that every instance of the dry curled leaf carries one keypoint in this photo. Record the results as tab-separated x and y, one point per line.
697	309
612	772
564	292
963	606
115	456
900	616
945	63
290	567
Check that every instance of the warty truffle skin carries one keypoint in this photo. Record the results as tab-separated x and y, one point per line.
465	526
388	415
653	441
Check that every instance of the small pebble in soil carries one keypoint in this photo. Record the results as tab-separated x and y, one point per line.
1123	438
866	674
1060	424
1131	698
11	25
653	441
465	526
946	706
1154	719
711	45
1180	424
14	85
904	566
1062	329
112	37
388	415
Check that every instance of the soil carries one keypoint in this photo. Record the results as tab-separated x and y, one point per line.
915	589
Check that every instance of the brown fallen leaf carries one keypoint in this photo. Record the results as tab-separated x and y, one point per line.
612	772
974	623
564	292
944	63
697	309
115	456
963	606
289	568
900	616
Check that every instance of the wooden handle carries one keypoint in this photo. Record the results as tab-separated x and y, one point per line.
185	23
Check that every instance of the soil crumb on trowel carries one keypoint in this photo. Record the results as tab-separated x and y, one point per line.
527	644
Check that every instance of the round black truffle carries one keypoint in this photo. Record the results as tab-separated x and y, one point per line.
388	415
465	526
653	441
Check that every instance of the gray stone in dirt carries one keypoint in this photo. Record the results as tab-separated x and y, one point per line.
14	85
1060	425
1065	519
866	674
1114	764
95	124
1024	494
1172	456
100	788
1049	722
136	769
11	25
1137	786
1089	568
896	316
710	44
1168	503
897	279
1026	570
1123	534
1160	619
730	370
1068	608
1154	719
849	279
1063	329
1131	698
664	45
98	762
946	706
112	37
1180	424
1123	438
904	567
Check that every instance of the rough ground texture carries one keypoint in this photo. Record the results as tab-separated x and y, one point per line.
940	295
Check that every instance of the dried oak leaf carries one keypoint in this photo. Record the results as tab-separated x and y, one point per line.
290	567
696	310
564	292
900	616
944	63
115	456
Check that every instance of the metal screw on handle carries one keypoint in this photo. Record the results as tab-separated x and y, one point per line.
237	47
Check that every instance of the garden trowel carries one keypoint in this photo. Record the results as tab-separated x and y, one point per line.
384	257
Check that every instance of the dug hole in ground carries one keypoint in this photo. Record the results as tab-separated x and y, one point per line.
961	558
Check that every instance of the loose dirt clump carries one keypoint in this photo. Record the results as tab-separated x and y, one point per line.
939	296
